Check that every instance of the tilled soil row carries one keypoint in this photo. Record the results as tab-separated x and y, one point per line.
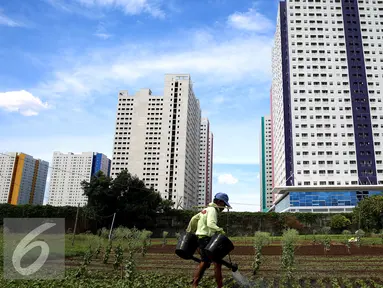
244	266
358	260
304	250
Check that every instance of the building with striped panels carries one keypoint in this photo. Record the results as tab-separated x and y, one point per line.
22	179
266	177
68	171
205	188
327	97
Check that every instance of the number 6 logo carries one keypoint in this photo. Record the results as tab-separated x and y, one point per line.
26	245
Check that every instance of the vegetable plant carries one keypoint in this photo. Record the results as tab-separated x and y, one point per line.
118	256
164	237
86	261
326	244
289	240
108	249
261	239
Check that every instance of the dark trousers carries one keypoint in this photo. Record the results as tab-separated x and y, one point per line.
202	243
205	264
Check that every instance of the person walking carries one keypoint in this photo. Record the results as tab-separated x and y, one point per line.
204	225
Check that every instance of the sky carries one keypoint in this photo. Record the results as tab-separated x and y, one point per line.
64	61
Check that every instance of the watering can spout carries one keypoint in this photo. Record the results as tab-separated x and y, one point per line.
232	266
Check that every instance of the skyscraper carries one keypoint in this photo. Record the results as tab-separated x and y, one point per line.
68	171
205	164
209	196
22	179
327	101
157	138
266	179
327	95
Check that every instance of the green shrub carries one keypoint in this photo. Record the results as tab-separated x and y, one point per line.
360	233
104	233
339	222
325	230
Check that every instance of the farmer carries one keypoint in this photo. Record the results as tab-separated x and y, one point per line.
204	224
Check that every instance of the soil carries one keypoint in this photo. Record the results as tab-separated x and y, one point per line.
302	250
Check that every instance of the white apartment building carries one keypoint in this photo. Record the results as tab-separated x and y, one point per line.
266	173
157	139
327	93
205	164
68	171
7	164
209	197
22	179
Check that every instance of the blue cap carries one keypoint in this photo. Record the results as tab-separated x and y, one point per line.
223	197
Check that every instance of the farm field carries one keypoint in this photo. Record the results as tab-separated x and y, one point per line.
362	267
160	267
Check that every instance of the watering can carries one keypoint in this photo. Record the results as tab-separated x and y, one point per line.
218	247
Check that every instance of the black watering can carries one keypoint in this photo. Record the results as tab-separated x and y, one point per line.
218	247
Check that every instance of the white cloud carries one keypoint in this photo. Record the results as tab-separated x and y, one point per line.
130	7
214	65
217	63
102	32
21	101
228	60
258	175
250	21
219	100
103	36
73	8
5	20
227	179
244	195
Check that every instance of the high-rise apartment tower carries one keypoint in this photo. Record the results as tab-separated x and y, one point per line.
327	93
205	164
68	171
22	179
327	98
266	180
157	138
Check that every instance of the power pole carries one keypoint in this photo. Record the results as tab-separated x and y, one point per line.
75	223
359	218
111	227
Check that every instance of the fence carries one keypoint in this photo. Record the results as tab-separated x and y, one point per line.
234	223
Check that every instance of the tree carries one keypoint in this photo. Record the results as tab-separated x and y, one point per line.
127	196
339	222
368	213
291	222
101	201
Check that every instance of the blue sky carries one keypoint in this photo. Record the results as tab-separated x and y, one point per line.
63	62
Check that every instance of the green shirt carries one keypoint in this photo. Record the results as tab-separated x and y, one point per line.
205	222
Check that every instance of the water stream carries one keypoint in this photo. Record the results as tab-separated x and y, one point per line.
241	280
